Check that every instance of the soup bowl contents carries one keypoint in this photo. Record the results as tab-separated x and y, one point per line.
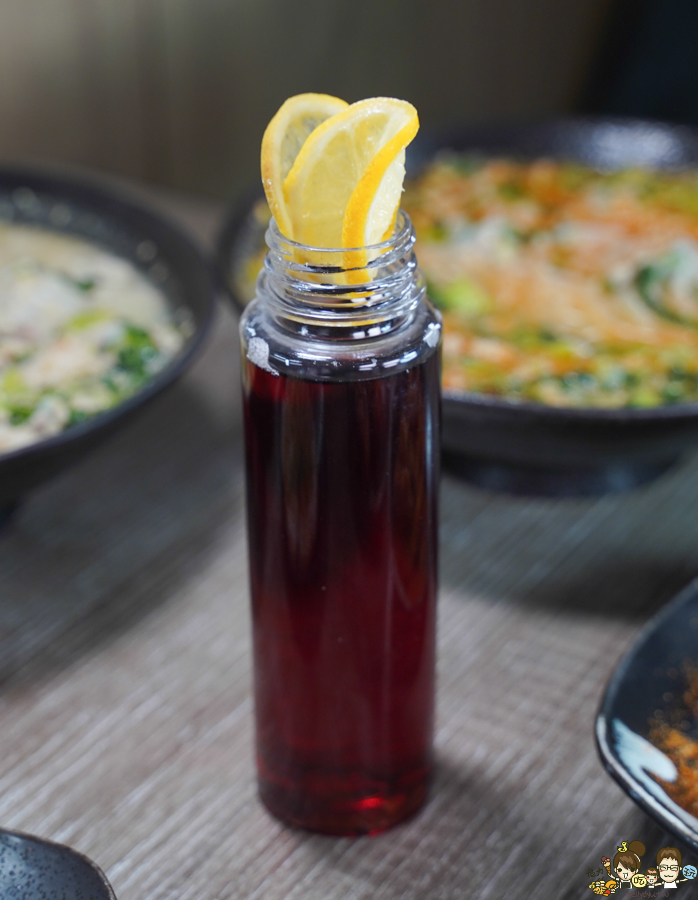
560	284
81	329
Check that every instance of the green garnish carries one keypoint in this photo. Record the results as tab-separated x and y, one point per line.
653	285
136	353
76	417
464	296
85	285
20	414
511	190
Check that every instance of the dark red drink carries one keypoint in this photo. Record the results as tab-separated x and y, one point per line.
342	485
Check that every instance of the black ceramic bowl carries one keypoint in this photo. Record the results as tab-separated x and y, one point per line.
519	446
650	678
129	230
34	869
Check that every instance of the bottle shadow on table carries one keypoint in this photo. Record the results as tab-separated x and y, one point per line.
621	555
91	554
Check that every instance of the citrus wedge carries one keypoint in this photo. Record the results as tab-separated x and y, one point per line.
297	118
344	187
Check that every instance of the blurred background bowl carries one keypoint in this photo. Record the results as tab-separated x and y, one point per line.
158	249
514	446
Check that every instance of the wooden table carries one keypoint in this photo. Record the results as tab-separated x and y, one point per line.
125	709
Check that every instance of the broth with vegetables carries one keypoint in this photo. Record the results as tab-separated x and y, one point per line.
560	284
80	331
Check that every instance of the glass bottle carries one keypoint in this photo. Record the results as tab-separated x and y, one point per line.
341	389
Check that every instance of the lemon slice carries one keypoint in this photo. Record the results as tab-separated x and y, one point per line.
372	208
344	187
297	118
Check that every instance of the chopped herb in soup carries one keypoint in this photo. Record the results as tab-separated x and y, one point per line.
80	331
560	284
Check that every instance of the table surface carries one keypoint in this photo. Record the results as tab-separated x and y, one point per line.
125	707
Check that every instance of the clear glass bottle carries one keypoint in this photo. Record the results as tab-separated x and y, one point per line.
341	384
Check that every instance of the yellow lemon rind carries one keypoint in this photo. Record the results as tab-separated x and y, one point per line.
356	215
272	142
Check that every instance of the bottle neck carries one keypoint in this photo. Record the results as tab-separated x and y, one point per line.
344	294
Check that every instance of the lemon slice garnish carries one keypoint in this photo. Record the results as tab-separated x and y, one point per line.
343	189
287	132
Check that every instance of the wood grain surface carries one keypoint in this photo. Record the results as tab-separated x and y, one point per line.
125	709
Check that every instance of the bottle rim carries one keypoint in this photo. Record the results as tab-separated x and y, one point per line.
312	289
305	258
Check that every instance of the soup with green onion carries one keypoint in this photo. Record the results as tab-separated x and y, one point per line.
560	284
80	331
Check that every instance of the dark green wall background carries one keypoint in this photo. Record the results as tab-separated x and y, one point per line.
178	91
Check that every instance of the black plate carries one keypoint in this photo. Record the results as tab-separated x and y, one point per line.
650	678
34	869
155	246
525	447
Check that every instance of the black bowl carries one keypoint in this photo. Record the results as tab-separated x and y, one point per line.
34	869
648	679
156	247
525	447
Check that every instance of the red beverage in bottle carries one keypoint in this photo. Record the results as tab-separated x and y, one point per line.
342	522
341	397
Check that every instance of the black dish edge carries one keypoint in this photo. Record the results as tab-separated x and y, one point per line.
602	729
65	849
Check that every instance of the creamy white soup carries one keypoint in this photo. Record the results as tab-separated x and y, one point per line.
80	331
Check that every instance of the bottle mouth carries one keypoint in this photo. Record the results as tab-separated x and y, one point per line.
324	288
302	260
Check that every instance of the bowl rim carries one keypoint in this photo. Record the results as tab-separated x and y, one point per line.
435	141
118	199
603	732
